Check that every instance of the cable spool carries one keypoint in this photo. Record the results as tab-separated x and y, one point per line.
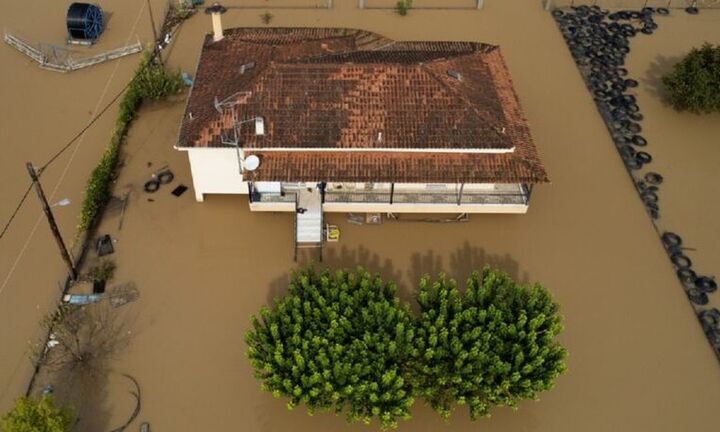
84	23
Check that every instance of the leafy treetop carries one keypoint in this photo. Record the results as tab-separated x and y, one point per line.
694	83
36	416
337	341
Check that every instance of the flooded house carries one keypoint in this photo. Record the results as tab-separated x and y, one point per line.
313	120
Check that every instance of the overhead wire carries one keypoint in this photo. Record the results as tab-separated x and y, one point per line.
67	146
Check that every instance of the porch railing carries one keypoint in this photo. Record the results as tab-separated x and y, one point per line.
427	198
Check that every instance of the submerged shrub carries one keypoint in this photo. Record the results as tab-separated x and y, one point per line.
492	345
343	341
337	342
37	416
402	7
694	83
151	81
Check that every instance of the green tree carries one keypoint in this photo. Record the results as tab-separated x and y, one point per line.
339	341
492	345
694	83
36	416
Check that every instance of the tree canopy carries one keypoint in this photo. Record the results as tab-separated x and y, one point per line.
29	415
337	341
344	342
491	345
694	83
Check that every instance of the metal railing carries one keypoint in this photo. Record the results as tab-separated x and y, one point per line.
260	197
427	198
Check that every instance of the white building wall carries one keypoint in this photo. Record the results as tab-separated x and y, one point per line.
216	171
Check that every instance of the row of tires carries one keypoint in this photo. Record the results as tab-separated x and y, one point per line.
599	41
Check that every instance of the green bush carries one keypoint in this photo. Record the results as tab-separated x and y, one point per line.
694	83
344	342
336	342
151	81
402	7
37	416
492	345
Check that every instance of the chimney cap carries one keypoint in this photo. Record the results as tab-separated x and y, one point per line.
215	8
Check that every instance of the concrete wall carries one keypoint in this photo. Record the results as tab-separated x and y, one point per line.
215	171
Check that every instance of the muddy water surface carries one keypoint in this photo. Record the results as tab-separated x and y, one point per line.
638	360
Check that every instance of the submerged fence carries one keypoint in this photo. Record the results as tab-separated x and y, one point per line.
278	4
637	4
423	4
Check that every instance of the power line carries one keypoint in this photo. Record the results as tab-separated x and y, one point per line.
59	153
69	143
83	130
17	209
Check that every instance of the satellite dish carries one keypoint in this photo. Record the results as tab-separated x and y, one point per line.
251	163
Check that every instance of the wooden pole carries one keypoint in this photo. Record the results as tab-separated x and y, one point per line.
156	50
51	221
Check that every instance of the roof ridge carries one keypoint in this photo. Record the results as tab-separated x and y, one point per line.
467	102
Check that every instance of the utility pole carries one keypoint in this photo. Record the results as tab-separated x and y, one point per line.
51	221
156	50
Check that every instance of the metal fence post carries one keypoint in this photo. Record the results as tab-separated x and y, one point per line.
361	4
479	4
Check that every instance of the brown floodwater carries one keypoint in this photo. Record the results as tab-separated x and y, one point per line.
39	113
638	360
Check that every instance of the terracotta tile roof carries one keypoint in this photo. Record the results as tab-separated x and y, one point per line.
397	167
349	89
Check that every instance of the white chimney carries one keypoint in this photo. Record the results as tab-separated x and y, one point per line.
215	11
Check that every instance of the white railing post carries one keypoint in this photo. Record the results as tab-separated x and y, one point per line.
479	4
361	4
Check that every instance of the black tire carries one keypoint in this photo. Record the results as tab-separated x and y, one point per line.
710	319
686	276
631	83
633	127
705	284
633	108
663	11
557	13
653	178
639	141
649	197
646	30
636	116
692	10
643	157
165	177
697	298
671	240
632	164
627	151
151	186
622	72
681	261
